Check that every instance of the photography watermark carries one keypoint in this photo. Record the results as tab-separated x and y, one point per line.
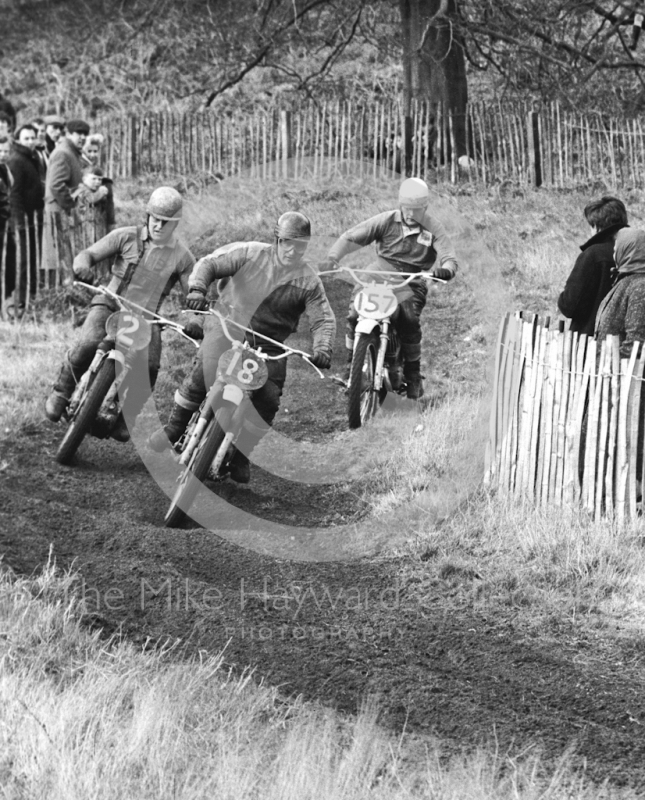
319	633
292	600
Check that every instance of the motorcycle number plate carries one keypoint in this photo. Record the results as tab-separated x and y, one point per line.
243	369
129	331
376	301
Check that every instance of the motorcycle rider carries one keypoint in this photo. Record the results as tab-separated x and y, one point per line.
267	289
148	261
408	239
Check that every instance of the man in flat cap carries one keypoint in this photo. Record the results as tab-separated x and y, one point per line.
64	174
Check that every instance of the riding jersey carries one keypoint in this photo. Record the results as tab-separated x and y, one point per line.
142	271
265	295
405	248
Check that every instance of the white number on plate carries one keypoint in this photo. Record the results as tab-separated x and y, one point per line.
249	368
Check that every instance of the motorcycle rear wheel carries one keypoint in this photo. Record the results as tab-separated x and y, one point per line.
86	414
363	401
196	471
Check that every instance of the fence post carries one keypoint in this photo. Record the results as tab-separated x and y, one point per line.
133	146
285	136
533	138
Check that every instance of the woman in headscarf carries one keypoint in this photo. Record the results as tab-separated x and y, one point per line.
622	312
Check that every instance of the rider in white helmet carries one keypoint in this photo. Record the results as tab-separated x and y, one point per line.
408	239
148	261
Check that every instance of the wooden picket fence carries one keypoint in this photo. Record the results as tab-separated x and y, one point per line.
525	143
22	265
566	420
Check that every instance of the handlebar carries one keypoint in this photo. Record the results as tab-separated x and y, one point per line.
123	302
287	350
410	275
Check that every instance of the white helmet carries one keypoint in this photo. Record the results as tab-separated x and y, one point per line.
414	193
165	203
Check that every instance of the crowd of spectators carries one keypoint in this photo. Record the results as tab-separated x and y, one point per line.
54	200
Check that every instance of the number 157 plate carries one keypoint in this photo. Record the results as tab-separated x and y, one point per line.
375	302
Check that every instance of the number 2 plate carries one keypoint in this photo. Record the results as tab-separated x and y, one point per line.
375	301
131	332
243	369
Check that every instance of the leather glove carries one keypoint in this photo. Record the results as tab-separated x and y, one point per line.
196	300
321	359
193	329
85	274
441	272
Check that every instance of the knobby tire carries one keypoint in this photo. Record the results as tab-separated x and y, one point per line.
86	414
197	469
362	401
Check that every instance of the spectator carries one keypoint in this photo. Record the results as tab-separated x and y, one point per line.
27	201
41	144
622	311
7	246
92	157
92	149
6	124
64	173
592	274
91	214
54	127
6	107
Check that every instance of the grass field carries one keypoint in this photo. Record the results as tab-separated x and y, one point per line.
82	717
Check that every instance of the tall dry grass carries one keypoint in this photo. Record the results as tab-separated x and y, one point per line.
84	717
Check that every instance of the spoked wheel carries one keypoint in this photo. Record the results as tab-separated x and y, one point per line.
363	399
87	411
197	469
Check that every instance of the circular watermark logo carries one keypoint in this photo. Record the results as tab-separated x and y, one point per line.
269	294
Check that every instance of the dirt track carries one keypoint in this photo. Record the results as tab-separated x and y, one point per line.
333	631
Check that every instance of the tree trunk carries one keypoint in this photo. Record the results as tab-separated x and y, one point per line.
434	67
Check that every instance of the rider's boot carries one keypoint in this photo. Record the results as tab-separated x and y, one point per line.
179	418
58	399
240	468
120	432
250	435
413	379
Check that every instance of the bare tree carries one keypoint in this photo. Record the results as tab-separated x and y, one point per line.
434	66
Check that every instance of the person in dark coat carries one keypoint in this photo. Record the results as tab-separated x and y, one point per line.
27	201
64	173
7	244
592	274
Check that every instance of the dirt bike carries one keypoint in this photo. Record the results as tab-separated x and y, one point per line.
95	405
377	364
207	446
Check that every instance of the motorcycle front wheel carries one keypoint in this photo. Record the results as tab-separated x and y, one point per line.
196	471
86	412
363	400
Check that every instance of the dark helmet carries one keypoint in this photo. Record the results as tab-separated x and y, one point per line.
293	225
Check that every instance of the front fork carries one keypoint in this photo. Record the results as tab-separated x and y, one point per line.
219	391
380	358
